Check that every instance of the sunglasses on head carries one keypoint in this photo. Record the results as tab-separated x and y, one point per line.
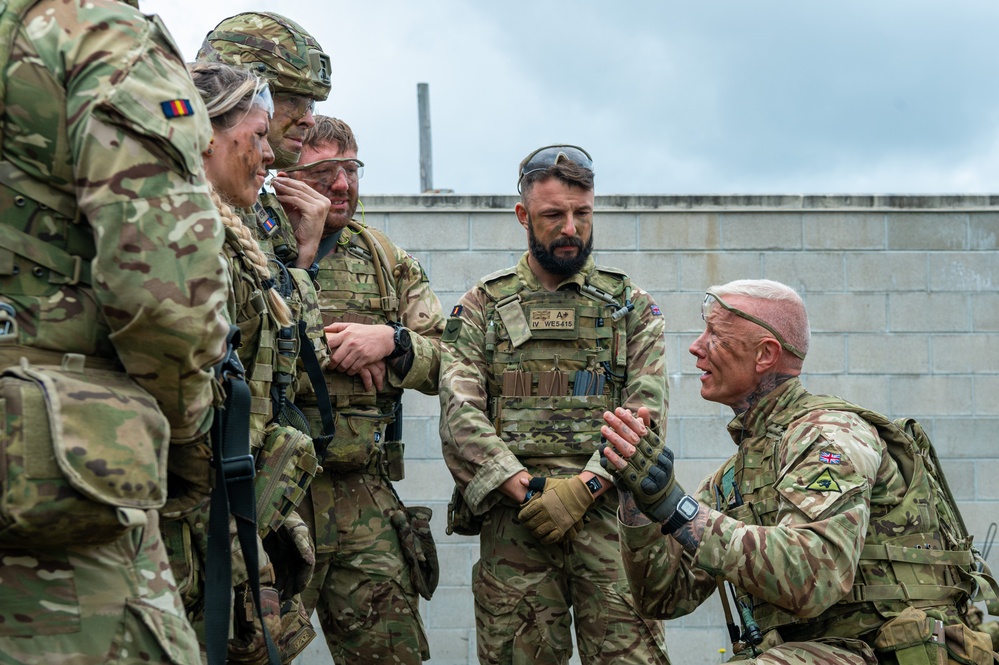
544	158
711	298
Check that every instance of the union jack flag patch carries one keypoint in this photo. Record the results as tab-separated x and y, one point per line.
829	458
655	310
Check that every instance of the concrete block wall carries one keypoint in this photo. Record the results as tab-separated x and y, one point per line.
903	298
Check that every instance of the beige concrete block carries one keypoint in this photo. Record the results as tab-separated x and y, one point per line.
929	312
685	397
986	395
886	271
869	391
675	349
426	480
843	230
422	438
957	438
960	475
984	231
415	403
985	312
836	312
451	646
702	438
682	312
456	563
927	230
930	396
978	515
690	473
652	271
377	220
679	230
986	486
826	354
616	231
806	271
760	230
889	354
459	271
701	270
966	354
451	607
493	230
967	271
697	646
428	230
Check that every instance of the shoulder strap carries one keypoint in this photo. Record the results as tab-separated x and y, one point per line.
383	266
11	13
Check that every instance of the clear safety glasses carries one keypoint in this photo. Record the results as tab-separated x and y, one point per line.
711	298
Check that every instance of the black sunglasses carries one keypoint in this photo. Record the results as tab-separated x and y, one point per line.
544	158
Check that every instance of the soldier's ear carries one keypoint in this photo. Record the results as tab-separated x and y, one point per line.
768	353
522	215
210	150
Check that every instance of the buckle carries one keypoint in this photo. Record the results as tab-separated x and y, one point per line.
8	320
235	469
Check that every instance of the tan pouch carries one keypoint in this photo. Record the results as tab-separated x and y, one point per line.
82	456
357	440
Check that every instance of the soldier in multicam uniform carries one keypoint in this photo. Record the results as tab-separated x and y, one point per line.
111	301
829	538
239	106
373	554
533	356
280	50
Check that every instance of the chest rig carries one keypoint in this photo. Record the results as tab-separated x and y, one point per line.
557	361
917	552
357	285
45	247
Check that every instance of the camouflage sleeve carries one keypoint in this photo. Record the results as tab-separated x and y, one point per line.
157	273
420	312
478	459
664	582
646	383
829	462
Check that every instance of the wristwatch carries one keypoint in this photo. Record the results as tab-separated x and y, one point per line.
403	343
685	511
594	485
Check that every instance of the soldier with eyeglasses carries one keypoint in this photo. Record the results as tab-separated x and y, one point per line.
383	325
533	356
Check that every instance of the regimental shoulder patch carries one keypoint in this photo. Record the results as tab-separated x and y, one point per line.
177	108
655	310
458	309
265	220
452	328
825	483
827	457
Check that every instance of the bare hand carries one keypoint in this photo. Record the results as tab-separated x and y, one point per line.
373	375
307	210
354	346
623	431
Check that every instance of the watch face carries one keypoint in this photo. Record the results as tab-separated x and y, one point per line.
687	507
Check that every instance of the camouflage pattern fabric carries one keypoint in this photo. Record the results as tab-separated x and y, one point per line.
814	496
523	590
103	133
362	587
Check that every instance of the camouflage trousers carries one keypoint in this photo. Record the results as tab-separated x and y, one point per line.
361	587
112	603
524	591
827	651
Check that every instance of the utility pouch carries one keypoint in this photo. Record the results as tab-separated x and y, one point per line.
413	527
913	638
395	465
285	466
357	440
248	644
82	456
460	518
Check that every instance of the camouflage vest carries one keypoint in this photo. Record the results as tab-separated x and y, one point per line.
357	284
45	249
557	361
916	553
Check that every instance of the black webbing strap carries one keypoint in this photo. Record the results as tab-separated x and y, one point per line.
308	355
233	494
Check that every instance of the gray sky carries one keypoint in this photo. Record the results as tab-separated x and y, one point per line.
740	96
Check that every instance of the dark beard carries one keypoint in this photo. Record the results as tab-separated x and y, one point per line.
553	264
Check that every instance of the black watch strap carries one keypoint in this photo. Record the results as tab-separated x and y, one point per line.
685	511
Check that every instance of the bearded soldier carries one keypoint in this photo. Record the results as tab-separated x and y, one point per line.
111	298
534	355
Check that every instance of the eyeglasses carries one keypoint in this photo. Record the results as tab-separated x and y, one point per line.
297	105
352	168
706	309
544	158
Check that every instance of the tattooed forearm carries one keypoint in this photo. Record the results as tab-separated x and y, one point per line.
690	534
630	513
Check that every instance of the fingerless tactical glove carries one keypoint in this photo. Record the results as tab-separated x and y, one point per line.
648	476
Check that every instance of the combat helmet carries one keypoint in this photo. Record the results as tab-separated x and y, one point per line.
273	47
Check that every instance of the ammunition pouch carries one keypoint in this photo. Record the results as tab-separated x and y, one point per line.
248	644
460	518
285	466
413	527
356	443
913	638
82	454
393	461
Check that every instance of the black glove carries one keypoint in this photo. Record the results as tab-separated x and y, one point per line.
648	476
